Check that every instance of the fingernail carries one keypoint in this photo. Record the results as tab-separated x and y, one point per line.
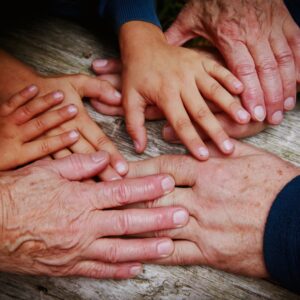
165	248
227	146
180	218
243	115
98	156
277	117
32	88
137	145
74	134
100	63
117	94
238	84
259	113
168	184
72	109
203	152
121	168
134	271
57	95
289	103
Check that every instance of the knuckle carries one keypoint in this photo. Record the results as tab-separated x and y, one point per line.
93	271
76	163
267	67
39	124
112	254
26	111
182	124
121	194
122	224
284	58
215	88
102	140
45	147
201	113
245	69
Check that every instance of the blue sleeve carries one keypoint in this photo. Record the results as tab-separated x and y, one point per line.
282	237
123	11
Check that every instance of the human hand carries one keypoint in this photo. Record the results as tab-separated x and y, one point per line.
228	206
170	77
92	138
109	70
24	118
52	224
260	43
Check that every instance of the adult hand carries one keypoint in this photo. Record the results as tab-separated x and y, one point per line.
228	200
260	43
52	224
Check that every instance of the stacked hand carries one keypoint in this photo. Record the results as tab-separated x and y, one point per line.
260	43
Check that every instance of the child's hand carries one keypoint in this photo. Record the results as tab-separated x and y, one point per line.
155	73
25	117
92	138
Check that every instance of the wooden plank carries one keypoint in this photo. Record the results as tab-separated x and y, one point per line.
56	46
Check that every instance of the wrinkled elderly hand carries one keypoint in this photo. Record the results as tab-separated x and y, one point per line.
228	200
260	43
54	225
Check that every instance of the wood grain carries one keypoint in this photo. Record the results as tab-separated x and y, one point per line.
55	46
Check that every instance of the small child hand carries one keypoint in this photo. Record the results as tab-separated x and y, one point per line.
176	80
24	118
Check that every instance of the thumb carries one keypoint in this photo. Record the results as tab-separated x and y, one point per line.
102	90
81	166
178	33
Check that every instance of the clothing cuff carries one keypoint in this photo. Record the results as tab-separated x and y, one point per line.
123	11
282	237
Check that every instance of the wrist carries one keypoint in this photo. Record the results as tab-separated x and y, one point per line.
138	36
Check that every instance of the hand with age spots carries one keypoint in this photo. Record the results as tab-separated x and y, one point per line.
53	224
228	200
260	43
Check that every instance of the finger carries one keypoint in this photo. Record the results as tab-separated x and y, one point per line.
107	110
95	88
125	191
285	60
81	166
215	92
37	106
270	80
18	99
43	147
134	108
107	66
92	133
233	130
224	76
82	146
99	270
113	79
185	253
184	128
135	221
152	113
62	153
182	167
292	33
119	250
201	114
241	63
47	121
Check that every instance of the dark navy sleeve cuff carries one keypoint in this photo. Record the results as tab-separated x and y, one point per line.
123	11
282	237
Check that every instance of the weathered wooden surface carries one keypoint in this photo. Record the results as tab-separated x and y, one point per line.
60	47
